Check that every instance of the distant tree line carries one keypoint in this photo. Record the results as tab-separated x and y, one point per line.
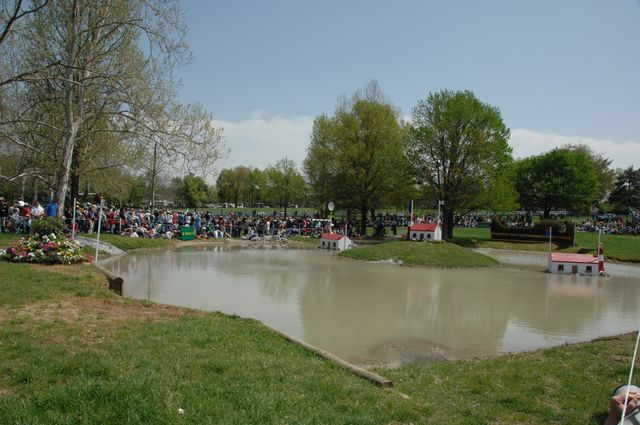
280	185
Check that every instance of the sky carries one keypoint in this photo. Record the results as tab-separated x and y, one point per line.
559	71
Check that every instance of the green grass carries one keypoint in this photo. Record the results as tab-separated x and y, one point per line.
7	238
126	243
617	247
421	254
565	385
73	353
23	284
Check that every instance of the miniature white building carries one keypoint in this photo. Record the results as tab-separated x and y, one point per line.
582	264
425	232
335	241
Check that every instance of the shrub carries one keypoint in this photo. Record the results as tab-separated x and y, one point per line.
48	226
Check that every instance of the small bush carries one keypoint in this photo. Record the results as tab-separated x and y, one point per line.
48	226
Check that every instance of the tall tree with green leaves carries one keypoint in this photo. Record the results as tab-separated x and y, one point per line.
232	184
192	191
285	183
356	156
626	191
458	150
256	187
601	165
319	165
559	179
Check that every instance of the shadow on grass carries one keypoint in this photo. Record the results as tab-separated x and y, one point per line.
599	418
466	242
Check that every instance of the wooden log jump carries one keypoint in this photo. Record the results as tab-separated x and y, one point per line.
379	380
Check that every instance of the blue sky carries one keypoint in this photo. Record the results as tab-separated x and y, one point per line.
560	71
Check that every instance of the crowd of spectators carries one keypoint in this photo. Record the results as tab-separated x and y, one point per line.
20	217
612	225
168	223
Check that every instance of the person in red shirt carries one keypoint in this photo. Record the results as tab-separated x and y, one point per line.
111	220
25	216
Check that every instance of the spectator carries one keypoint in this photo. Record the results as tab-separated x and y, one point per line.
51	209
4	215
37	212
616	405
25	217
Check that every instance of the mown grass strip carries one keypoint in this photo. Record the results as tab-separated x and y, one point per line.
127	243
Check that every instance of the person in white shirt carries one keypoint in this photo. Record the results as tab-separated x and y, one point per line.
37	212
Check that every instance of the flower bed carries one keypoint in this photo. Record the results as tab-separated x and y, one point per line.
48	249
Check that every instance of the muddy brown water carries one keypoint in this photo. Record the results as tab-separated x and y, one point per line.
385	314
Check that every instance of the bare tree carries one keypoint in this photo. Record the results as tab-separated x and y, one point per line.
105	88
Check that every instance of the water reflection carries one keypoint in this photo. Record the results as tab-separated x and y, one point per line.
375	312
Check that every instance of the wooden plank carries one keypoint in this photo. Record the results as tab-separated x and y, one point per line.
363	373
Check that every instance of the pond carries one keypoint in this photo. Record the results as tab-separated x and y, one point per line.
384	314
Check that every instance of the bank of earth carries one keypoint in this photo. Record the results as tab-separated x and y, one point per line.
72	352
433	254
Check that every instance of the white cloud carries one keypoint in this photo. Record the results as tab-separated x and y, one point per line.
528	142
259	142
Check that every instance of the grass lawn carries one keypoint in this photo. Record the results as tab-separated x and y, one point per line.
421	254
7	238
617	247
126	243
74	353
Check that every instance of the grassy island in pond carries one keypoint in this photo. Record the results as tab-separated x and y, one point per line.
421	254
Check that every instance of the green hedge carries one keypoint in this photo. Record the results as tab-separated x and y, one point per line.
48	226
563	232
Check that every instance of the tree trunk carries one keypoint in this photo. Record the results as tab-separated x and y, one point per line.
363	222
85	193
71	124
286	203
65	167
154	174
447	223
75	186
